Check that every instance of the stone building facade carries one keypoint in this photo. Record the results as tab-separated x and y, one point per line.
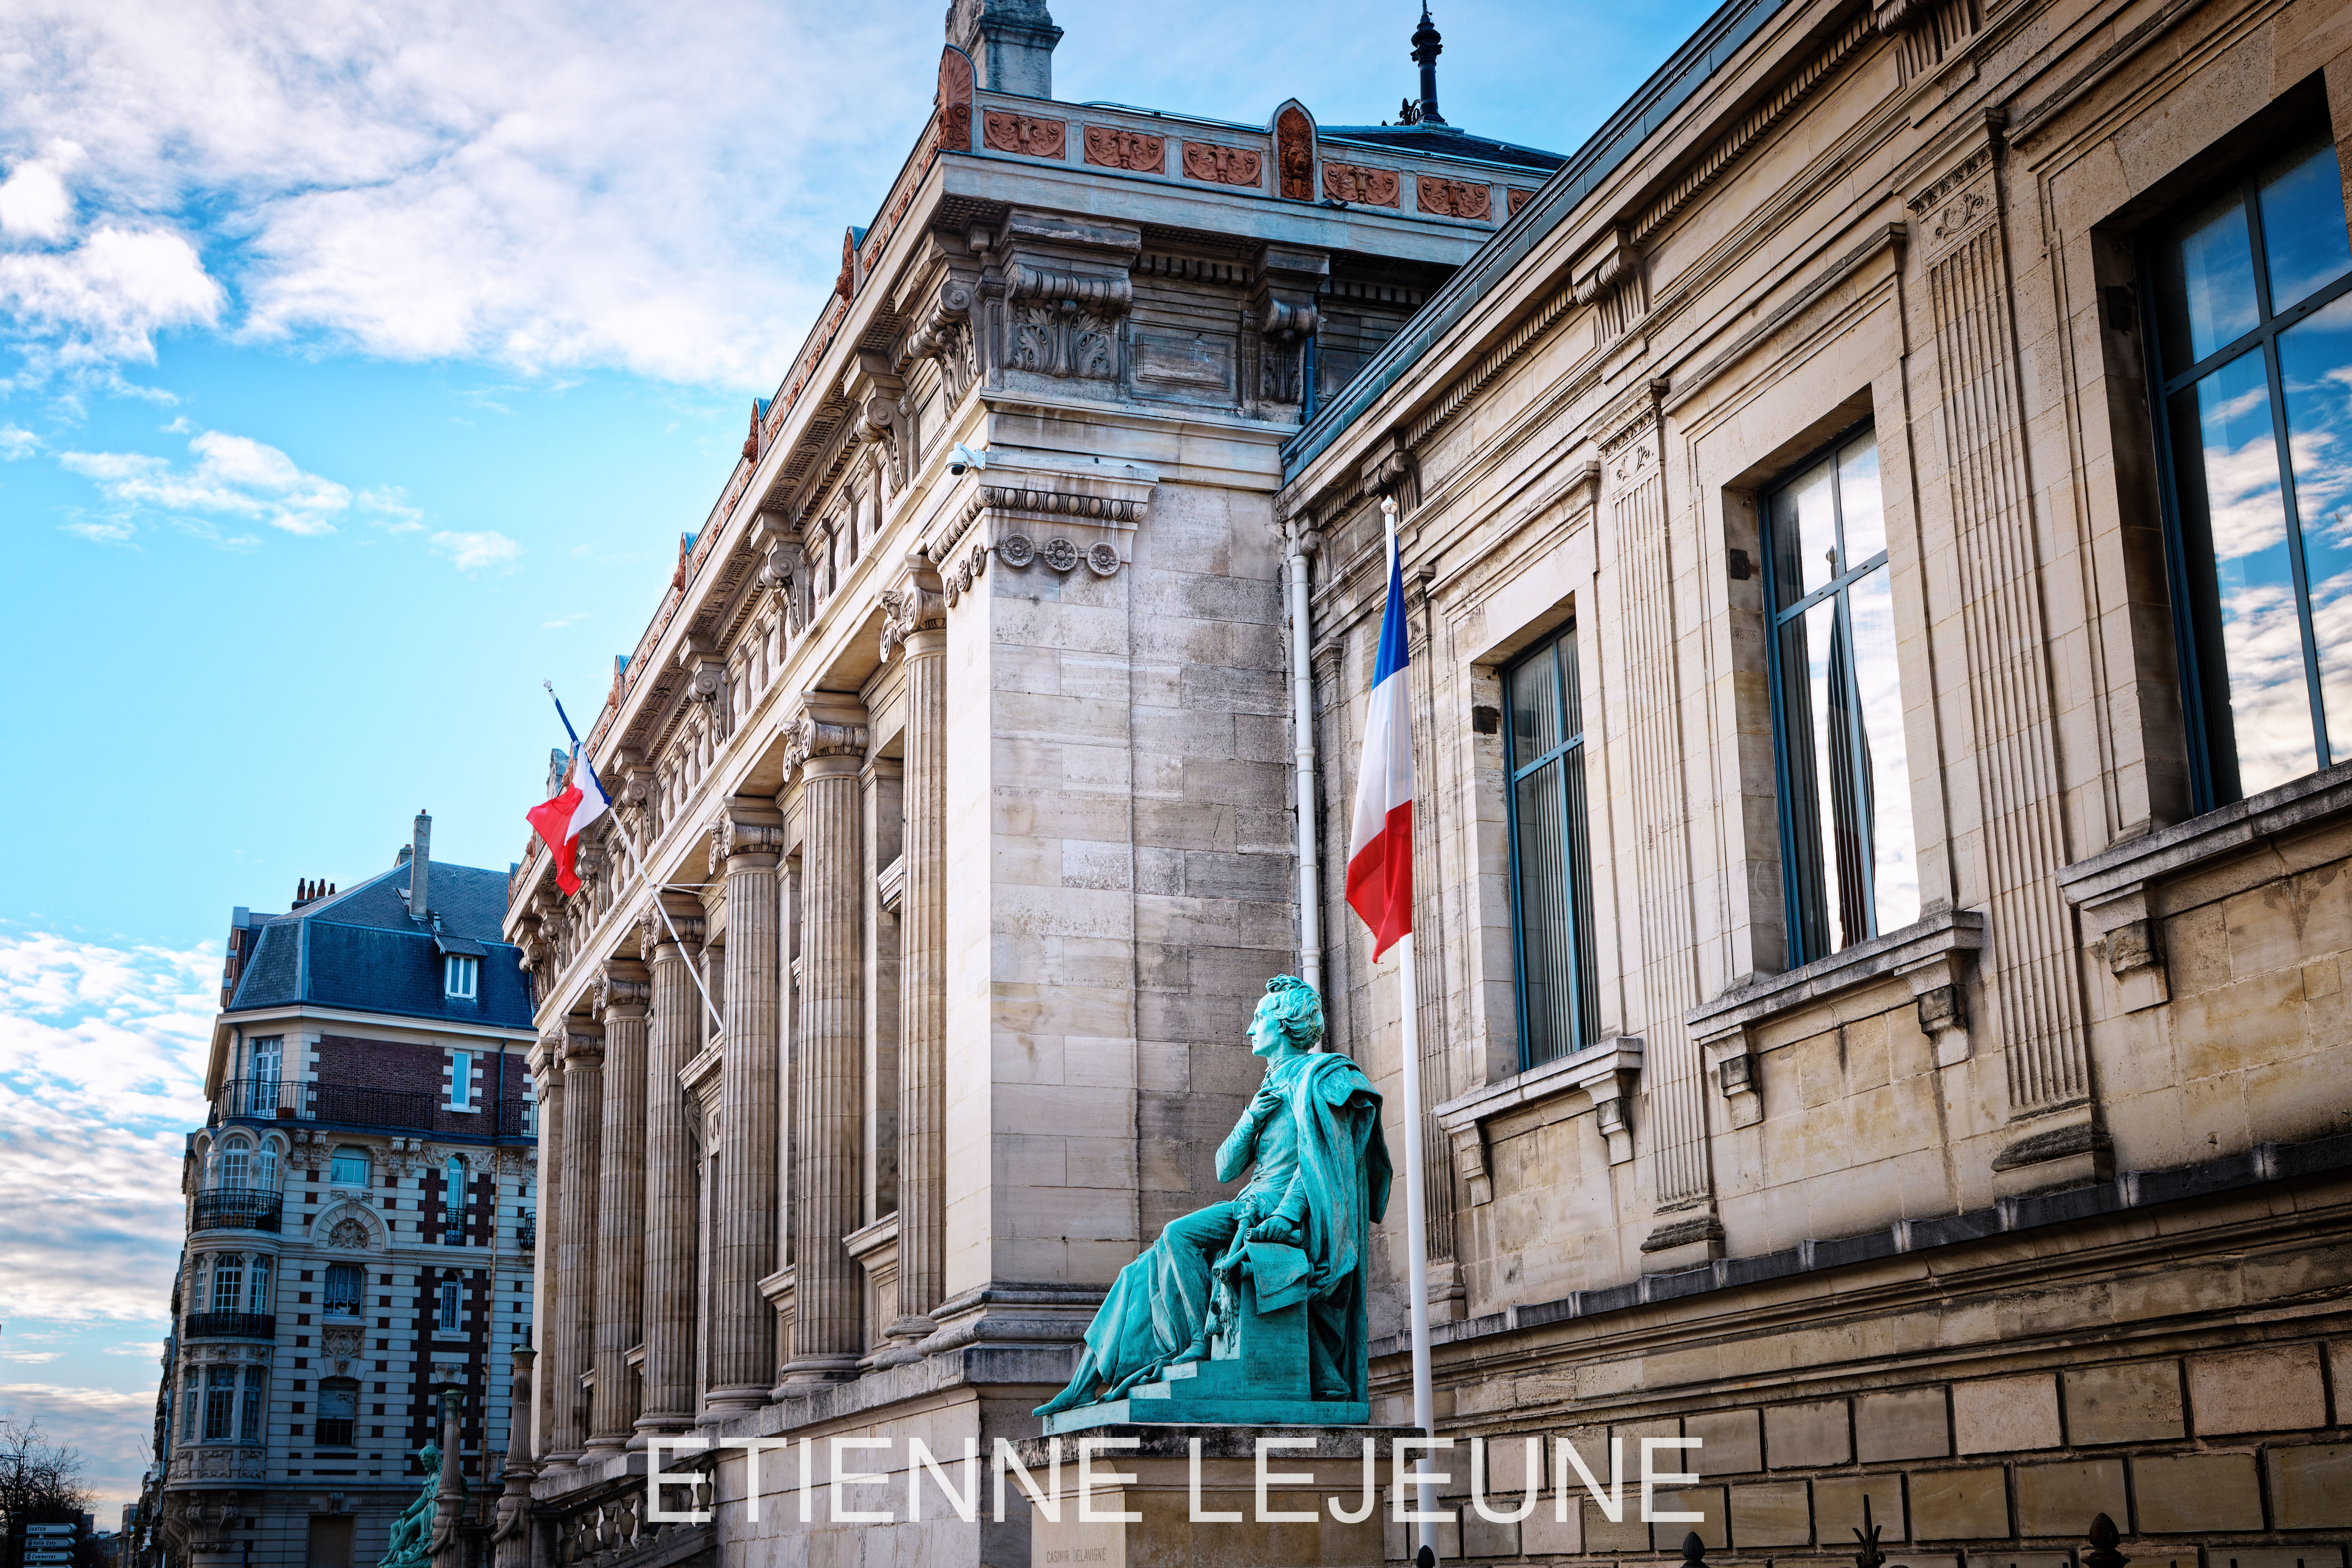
904	998
361	1217
1868	526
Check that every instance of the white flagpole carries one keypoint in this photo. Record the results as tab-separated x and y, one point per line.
1416	1224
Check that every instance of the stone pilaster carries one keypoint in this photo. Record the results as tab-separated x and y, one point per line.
742	1335
620	997
510	1536
917	621
825	1327
673	1037
571	1337
547	1083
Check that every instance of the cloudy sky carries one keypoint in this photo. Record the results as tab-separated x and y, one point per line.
359	365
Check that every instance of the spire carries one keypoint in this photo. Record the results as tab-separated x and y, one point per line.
1427	47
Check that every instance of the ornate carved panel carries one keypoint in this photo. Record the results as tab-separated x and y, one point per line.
954	101
1515	200
1362	187
1109	147
1023	133
1065	323
1221	166
1454	198
1293	153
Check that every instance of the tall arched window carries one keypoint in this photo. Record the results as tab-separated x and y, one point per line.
236	1162
260	1287
265	1166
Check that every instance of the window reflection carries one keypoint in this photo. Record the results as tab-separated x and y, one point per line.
1552	884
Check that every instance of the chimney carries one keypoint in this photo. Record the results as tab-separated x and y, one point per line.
420	867
1011	43
1427	47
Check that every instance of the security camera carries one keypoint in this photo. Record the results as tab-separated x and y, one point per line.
964	458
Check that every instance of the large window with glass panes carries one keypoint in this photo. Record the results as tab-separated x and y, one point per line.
1552	884
2251	337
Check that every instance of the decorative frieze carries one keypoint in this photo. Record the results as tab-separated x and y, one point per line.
1221	166
954	101
1027	134
1360	186
1062	323
1471	199
1293	153
1114	147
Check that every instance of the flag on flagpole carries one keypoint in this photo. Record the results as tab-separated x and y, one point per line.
559	818
1379	842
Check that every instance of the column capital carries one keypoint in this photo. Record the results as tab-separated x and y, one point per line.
752	845
822	731
916	601
653	931
583	1049
621	992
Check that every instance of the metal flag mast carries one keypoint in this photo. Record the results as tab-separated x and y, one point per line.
620	832
1416	1225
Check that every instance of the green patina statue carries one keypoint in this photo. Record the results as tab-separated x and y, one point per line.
1253	1310
411	1545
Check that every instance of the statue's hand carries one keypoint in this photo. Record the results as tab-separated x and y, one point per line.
1264	1102
1275	1227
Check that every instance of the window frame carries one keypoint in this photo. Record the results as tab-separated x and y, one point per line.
1776	617
366	1164
449	1309
461	1080
457	966
2195	620
1583	1014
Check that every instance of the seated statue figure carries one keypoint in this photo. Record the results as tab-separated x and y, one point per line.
1320	1182
412	1532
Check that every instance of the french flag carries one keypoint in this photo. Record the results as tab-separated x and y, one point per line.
559	818
1379	843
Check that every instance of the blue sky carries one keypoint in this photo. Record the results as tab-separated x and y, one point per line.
360	366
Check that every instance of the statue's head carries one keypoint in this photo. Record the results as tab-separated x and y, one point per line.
1289	1017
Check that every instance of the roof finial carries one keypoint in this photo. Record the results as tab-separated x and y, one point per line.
1427	47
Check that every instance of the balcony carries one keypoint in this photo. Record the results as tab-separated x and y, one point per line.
237	1208
352	1105
527	1232
231	1326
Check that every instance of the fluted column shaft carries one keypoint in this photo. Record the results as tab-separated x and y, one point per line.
570	1343
922	992
548	1305
826	1100
620	1001
742	1326
673	1036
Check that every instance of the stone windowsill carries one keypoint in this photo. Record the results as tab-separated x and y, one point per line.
873	1238
1606	1071
2129	867
1940	936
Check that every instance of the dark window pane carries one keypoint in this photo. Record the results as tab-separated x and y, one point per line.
2315	368
2302	203
2205	281
1828	847
1547	944
1804	536
1534	709
2229	495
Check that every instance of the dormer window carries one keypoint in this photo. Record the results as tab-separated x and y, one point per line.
461	976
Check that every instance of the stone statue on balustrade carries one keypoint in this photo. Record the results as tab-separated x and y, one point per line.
1251	1311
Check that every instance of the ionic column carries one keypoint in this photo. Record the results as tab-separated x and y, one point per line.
673	1037
742	1327
620	999
547	1307
826	1280
570	1342
917	621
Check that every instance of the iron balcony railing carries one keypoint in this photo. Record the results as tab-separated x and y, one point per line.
354	1105
232	1326
335	1432
527	1232
237	1208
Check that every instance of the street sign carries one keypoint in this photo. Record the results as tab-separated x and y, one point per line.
53	1530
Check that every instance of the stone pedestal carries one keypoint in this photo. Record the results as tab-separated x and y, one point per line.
1325	1467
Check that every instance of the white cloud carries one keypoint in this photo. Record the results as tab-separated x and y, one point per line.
32	200
111	1429
101	1068
232	475
478	551
16	442
559	622
545	184
108	296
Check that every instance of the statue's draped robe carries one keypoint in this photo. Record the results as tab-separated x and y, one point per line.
1322	1163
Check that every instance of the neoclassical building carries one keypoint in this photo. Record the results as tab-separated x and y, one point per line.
361	1219
1873	531
957	757
1868	519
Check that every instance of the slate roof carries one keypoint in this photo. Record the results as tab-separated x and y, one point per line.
360	950
1442	140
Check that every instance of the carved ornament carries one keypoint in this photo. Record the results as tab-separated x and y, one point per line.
622	994
954	100
1023	133
1293	153
907	610
1109	147
807	737
583	1049
1360	186
1515	200
1219	165
730	837
1454	198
